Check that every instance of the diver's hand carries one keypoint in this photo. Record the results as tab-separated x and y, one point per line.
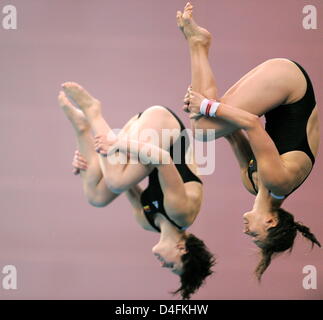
103	145
187	99
195	100
79	163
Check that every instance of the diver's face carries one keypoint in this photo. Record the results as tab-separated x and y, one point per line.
256	225
170	256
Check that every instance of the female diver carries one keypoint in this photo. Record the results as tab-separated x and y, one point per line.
274	160
172	200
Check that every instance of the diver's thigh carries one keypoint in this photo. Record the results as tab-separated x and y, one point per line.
262	89
156	121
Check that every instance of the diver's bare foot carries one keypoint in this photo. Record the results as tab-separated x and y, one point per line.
89	105
192	32
76	116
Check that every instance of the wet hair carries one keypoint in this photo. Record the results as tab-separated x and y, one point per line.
197	264
281	238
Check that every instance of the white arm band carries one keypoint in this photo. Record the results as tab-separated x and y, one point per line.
277	197
209	107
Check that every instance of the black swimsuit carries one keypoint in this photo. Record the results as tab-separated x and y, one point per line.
286	125
152	198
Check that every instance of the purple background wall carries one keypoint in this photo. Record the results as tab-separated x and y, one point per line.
65	249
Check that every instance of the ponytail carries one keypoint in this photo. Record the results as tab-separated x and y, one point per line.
306	233
281	238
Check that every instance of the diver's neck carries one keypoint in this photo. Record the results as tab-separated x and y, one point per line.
168	232
264	202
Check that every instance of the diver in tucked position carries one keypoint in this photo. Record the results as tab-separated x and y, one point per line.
274	160
172	200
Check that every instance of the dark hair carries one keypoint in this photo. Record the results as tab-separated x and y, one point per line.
281	238
197	264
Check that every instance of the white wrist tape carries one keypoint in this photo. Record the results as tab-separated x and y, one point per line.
209	107
203	106
214	108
